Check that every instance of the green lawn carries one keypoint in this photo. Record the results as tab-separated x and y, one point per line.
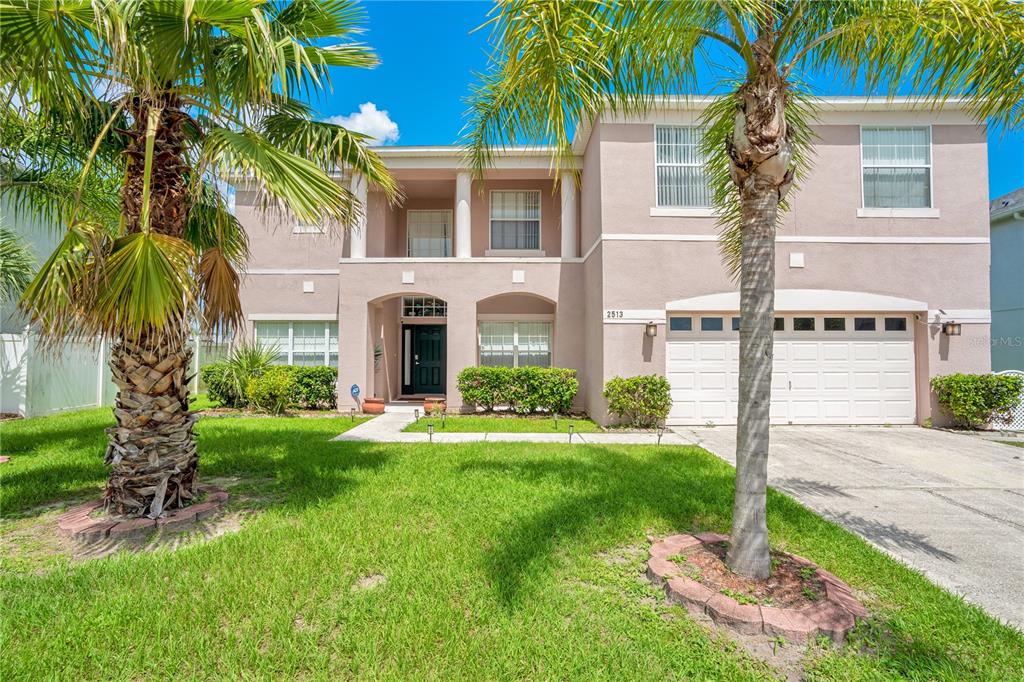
502	561
502	424
1015	443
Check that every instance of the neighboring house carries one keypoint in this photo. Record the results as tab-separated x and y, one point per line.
886	241
1007	218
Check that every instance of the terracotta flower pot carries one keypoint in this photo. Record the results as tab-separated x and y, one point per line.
373	406
431	405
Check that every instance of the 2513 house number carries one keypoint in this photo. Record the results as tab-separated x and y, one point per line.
614	314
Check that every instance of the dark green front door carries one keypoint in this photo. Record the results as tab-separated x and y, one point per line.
428	355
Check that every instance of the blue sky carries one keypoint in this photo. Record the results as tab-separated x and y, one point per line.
429	53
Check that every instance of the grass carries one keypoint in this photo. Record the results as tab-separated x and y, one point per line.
1014	443
503	424
500	560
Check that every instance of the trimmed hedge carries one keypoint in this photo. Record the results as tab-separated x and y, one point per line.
310	388
521	389
974	400
642	401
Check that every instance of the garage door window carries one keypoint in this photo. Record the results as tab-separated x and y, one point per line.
735	324
780	324
895	324
803	324
711	324
863	324
835	324
680	324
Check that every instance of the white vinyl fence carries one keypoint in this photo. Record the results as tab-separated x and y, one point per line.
34	383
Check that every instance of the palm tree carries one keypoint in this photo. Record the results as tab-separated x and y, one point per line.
162	98
16	265
557	63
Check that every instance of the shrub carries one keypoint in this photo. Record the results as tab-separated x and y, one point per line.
315	387
272	391
974	400
220	387
521	389
641	401
248	361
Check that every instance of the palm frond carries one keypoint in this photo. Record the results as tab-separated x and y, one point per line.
17	264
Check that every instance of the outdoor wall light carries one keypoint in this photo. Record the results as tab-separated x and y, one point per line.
651	329
951	328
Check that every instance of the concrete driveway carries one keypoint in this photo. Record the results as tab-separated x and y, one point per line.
949	505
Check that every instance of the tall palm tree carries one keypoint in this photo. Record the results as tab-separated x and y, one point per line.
557	63
161	98
16	265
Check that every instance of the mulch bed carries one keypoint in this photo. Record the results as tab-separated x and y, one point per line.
791	585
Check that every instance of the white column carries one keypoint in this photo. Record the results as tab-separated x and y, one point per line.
463	217
569	213
357	233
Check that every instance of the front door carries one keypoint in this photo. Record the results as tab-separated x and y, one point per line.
428	358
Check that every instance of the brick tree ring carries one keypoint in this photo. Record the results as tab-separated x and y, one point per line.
833	616
81	525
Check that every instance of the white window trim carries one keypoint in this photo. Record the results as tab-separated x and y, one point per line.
515	320
448	232
539	251
659	211
308	228
875	212
290	351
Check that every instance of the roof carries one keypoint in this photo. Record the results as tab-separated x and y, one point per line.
1011	202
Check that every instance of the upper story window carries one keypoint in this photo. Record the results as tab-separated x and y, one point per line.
681	176
896	163
428	234
515	220
308	228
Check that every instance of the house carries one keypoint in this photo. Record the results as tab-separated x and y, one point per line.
1007	219
882	269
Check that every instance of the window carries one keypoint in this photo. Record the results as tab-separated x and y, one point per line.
895	324
308	228
735	324
305	343
679	165
515	220
803	324
863	324
428	234
515	344
680	324
780	324
897	165
711	324
423	306
835	324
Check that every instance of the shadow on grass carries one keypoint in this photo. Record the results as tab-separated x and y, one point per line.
690	491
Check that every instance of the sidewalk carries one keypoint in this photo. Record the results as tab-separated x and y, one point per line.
387	428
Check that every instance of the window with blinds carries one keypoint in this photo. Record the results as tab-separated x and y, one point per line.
896	164
515	220
681	175
303	343
515	344
429	234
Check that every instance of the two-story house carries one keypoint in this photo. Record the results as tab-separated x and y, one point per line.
882	272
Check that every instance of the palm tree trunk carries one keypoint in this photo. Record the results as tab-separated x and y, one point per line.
748	552
761	154
152	450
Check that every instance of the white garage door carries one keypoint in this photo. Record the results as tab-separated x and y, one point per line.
828	369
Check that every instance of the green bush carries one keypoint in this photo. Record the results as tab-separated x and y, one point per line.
248	361
974	400
220	387
315	387
521	389
274	390
641	401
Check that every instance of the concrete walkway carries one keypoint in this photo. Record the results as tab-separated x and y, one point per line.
947	504
387	428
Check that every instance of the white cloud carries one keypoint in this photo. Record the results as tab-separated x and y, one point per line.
371	121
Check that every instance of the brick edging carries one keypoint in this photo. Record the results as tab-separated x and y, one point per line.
834	616
79	525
